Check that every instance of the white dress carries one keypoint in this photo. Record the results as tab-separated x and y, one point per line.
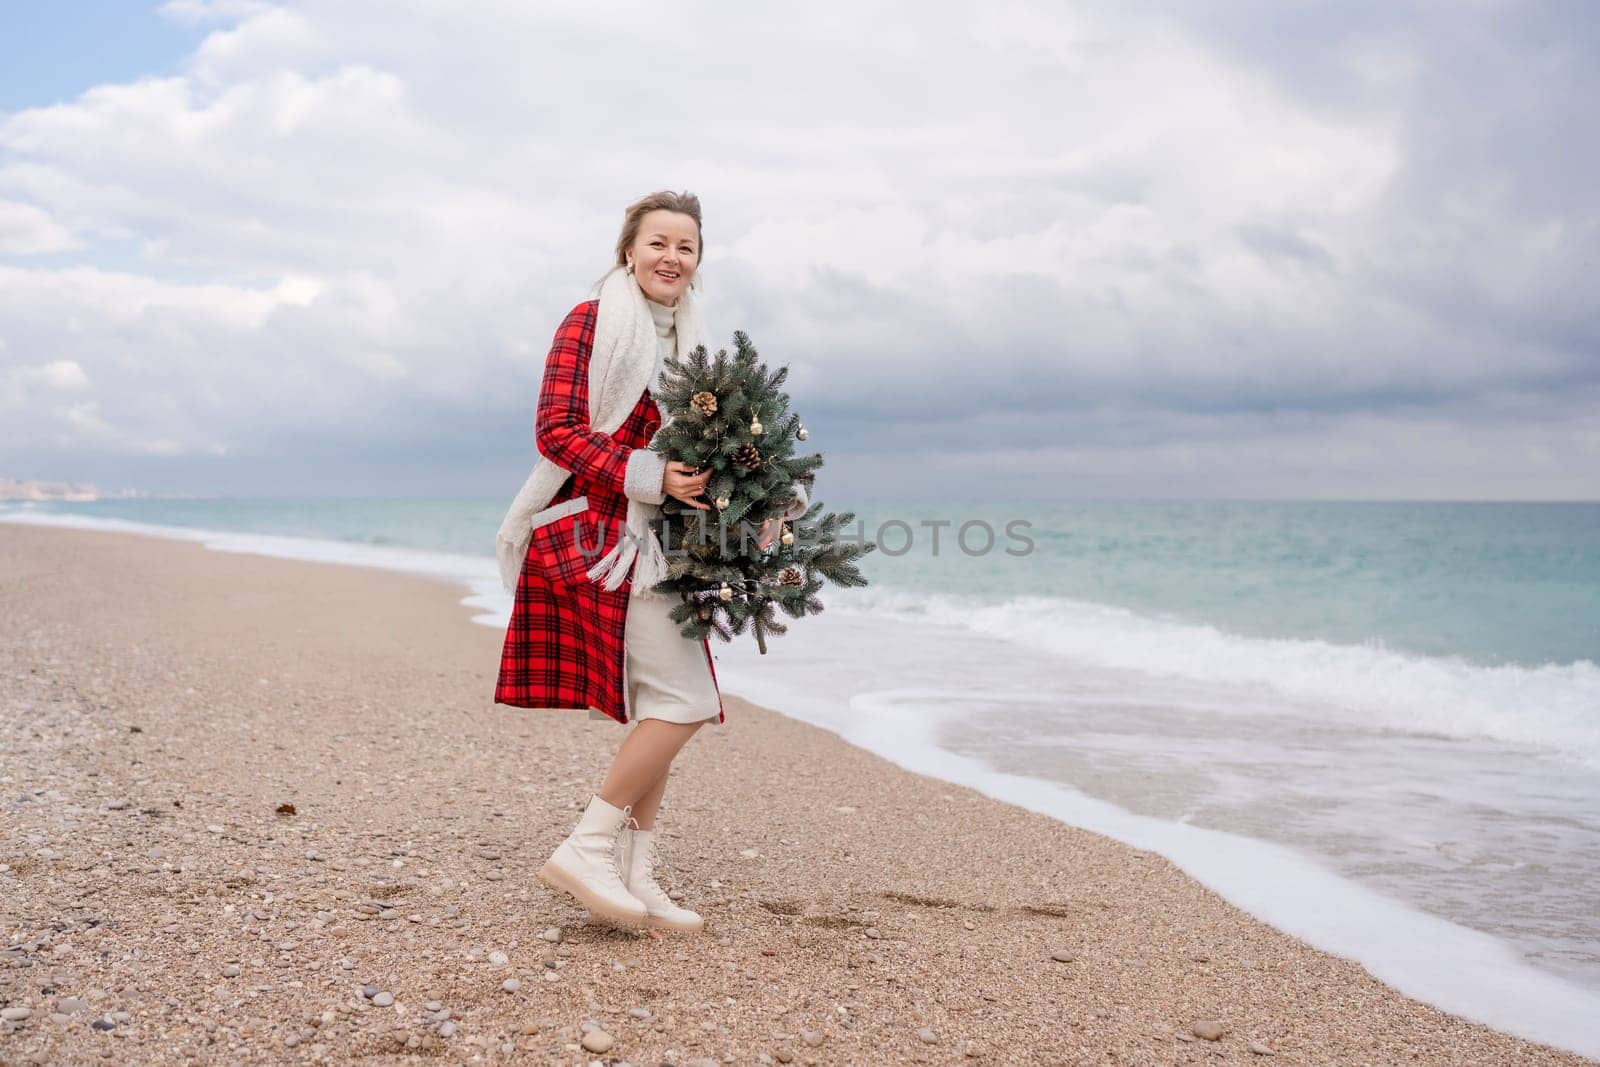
666	675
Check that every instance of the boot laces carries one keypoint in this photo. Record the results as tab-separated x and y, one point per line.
611	853
647	877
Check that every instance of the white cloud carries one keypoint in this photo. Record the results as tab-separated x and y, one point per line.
18	384
337	208
62	374
27	230
203	12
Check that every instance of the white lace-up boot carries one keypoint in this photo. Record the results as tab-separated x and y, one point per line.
637	856
585	865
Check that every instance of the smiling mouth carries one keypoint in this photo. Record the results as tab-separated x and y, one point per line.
667	276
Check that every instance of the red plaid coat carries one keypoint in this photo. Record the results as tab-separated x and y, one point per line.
564	646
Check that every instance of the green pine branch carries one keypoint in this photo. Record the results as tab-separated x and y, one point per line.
730	415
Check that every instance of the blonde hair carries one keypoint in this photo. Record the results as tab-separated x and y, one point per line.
683	203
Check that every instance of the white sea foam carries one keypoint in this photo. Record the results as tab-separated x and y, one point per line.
478	573
1451	966
1555	707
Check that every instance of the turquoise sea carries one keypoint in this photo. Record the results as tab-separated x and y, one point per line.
1492	583
1375	725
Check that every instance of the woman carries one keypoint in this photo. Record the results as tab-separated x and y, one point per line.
585	630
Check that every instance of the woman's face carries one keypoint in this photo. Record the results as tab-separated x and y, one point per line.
665	255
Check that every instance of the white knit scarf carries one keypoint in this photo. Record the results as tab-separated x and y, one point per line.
620	366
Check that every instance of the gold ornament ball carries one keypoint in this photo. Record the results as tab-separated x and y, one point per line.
722	502
787	538
802	433
725	593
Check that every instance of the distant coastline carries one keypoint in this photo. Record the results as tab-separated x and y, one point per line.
76	492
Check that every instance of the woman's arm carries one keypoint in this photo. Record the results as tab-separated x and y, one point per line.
562	431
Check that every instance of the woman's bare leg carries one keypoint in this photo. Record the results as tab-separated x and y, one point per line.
641	764
645	808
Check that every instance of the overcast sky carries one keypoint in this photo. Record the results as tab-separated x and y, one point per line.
1247	249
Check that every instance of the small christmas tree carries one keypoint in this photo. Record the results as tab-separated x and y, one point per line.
730	416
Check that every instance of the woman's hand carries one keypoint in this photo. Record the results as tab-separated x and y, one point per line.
685	483
769	530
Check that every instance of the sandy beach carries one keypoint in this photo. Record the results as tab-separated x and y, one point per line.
164	708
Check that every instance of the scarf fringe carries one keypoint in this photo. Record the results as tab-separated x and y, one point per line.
637	553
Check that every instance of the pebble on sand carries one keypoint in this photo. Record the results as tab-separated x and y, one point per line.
597	1041
1209	1029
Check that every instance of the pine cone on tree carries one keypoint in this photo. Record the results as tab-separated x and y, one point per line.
705	403
748	456
791	576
